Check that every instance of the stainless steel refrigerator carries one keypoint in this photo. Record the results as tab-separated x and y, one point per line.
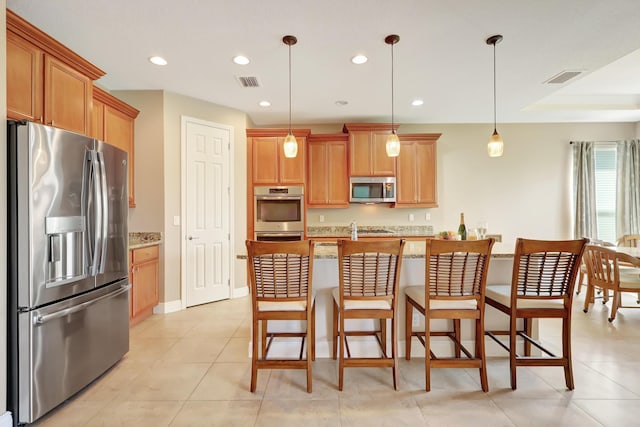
68	288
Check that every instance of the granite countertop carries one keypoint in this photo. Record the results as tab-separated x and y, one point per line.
412	249
139	239
370	231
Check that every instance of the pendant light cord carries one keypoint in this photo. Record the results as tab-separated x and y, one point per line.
290	87
494	87
392	109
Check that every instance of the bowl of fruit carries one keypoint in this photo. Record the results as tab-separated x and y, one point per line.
448	235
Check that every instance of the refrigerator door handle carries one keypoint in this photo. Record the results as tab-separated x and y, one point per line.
39	320
104	198
94	213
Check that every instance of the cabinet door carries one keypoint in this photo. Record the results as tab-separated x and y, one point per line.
327	183
67	97
317	188
265	160
407	177
426	173
360	153
368	154
145	286
338	175
416	177
382	165
291	169
24	80
118	131
97	120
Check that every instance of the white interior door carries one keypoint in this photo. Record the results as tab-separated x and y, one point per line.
206	211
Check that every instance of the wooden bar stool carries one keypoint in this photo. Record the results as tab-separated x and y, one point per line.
455	281
280	276
369	273
542	284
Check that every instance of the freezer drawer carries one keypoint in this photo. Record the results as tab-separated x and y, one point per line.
72	343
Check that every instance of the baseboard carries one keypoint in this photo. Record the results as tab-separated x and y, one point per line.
6	420
168	307
239	292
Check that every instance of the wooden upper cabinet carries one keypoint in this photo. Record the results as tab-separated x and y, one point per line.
268	165
67	97
113	122
24	80
97	120
46	81
367	150
327	174
416	179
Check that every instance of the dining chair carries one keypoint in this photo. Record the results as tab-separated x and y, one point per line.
582	274
542	285
630	240
633	241
281	289
455	281
605	271
369	273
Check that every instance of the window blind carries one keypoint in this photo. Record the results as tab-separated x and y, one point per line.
605	177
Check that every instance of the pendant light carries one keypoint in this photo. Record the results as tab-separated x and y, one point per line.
290	144
495	147
393	143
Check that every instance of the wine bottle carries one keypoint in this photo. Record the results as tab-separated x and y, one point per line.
462	230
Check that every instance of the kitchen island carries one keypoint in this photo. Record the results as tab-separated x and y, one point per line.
325	277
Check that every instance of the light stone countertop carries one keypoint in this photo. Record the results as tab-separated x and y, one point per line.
139	239
412	249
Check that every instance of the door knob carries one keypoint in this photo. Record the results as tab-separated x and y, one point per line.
192	238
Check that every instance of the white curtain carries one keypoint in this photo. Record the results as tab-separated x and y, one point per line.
584	193
628	188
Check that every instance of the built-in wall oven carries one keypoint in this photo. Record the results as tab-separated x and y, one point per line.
278	213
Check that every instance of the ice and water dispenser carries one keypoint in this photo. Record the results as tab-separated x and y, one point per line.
65	249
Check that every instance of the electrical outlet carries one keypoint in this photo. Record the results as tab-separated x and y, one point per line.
411	218
321	219
427	216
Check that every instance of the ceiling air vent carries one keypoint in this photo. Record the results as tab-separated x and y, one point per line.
248	81
563	77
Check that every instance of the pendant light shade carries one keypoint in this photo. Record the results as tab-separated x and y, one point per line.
290	144
393	143
495	147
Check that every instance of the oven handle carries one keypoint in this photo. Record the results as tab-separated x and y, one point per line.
288	197
267	234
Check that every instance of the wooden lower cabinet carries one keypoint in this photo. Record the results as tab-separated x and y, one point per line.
143	276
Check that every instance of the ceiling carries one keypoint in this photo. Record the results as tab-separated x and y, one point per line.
441	58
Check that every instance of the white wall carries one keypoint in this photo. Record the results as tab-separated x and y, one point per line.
527	192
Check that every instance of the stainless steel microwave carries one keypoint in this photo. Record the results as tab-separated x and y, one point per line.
372	189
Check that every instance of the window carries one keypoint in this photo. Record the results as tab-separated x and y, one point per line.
605	177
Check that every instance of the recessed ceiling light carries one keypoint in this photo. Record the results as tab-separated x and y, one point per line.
417	102
359	59
158	60
264	104
341	103
241	60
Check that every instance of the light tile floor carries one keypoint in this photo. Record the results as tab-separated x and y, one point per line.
190	368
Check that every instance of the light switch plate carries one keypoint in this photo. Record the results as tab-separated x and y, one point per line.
176	220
